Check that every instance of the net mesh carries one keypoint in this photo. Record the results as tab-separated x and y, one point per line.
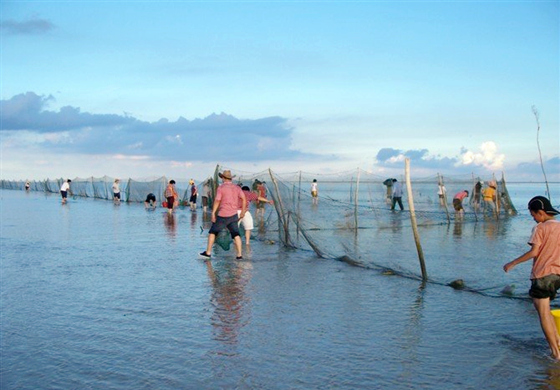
351	218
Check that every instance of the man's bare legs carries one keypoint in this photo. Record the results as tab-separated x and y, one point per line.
238	245
548	325
236	242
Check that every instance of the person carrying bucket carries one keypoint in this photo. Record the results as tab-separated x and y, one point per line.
545	274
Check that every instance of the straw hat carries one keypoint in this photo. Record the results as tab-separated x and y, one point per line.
226	175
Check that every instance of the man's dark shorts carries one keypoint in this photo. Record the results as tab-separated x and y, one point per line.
151	198
545	287
231	223
64	194
457	204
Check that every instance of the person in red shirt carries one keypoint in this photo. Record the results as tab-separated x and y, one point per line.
247	220
224	214
171	196
458	201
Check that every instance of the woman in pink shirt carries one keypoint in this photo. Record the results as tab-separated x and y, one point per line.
458	201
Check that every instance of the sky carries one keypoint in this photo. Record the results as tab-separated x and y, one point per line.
138	89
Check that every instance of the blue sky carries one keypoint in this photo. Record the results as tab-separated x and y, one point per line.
138	89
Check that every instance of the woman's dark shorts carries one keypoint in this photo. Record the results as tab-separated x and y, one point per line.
545	287
170	202
116	195
231	223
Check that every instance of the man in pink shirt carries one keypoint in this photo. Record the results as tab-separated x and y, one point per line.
545	274
224	214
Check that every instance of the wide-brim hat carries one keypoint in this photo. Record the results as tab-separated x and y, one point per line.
542	203
226	175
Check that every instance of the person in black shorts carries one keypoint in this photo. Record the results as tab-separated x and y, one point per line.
150	201
545	274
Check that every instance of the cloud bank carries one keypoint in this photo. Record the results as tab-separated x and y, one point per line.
33	26
26	119
35	138
486	157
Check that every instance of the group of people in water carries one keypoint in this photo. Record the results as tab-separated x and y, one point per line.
487	194
484	198
230	209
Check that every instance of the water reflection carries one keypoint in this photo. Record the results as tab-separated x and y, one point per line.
170	224
396	222
458	227
552	380
194	218
229	280
413	334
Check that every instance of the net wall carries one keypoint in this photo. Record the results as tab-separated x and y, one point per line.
102	187
352	221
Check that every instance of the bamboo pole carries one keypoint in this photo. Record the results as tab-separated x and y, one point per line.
281	215
536	113
413	220
497	204
444	192
473	197
356	203
298	207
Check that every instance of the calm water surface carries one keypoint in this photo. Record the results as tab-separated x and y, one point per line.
97	296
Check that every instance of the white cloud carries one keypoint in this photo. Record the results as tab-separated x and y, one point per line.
487	157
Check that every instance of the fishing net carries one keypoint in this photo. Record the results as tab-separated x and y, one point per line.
351	219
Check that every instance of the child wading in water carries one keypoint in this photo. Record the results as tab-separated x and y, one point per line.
545	274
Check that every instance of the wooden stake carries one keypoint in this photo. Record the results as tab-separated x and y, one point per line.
356	203
413	220
280	211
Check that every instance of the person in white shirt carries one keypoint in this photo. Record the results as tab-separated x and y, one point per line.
397	195
64	190
116	192
442	192
314	191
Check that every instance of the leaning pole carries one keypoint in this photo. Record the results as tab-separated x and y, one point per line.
413	220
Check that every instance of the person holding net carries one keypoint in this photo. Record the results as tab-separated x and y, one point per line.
545	273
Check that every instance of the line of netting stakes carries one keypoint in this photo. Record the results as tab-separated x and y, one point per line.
413	219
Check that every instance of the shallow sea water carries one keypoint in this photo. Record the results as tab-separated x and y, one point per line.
97	296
